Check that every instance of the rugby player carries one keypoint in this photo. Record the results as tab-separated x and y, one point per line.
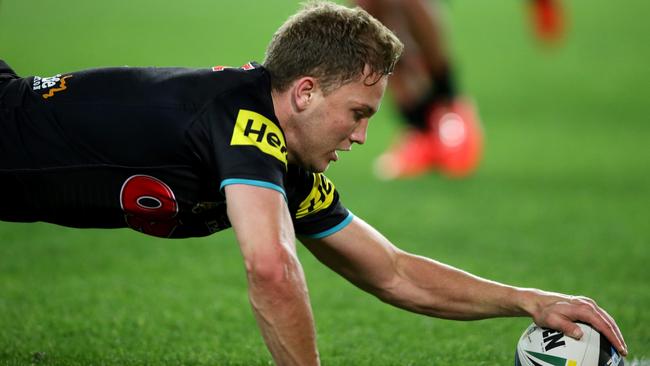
178	152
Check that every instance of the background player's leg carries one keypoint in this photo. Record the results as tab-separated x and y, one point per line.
444	133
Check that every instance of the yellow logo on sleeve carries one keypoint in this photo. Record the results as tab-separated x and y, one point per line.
320	197
254	129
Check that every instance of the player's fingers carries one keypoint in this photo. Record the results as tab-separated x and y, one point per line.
563	322
559	317
588	311
619	334
609	319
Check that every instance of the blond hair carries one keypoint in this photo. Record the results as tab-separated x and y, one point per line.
332	43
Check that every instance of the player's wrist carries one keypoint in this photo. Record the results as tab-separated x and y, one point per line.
529	302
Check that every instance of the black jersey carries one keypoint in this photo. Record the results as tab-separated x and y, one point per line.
151	149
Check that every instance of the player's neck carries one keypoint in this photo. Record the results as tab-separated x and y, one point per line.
284	113
281	106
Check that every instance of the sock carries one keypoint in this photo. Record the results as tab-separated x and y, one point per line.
443	89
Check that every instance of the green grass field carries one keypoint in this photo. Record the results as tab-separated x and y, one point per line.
561	201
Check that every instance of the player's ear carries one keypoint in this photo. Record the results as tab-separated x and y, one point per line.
303	92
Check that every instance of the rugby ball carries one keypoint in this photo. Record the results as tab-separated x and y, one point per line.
547	347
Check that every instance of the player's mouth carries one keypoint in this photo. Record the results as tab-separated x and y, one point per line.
334	156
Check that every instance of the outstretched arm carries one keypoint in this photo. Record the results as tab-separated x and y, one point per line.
422	285
276	283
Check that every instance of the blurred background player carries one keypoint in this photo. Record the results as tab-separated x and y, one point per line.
444	132
547	19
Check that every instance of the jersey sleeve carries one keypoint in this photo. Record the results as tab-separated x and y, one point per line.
316	208
240	135
253	153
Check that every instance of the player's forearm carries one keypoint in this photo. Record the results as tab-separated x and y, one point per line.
425	286
277	288
283	312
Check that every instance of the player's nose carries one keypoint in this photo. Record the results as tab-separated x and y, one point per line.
360	133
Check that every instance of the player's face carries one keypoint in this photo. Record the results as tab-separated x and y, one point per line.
333	122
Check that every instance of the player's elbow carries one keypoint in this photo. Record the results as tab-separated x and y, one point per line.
396	286
270	272
386	285
274	280
390	291
271	268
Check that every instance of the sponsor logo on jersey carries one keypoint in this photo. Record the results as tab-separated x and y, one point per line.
149	205
253	129
55	84
320	197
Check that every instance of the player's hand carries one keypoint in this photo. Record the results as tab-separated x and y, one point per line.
562	311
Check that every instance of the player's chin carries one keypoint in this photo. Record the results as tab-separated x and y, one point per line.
321	166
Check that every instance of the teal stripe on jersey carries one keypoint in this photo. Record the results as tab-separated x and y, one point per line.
253	182
334	229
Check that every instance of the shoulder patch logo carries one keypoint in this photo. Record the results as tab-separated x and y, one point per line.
320	197
254	129
54	84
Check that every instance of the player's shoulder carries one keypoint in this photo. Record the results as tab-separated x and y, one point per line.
250	77
213	81
245	106
188	82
